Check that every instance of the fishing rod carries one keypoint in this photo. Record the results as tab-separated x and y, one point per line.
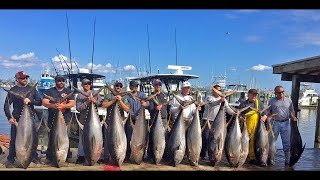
69	40
61	64
54	68
175	38
63	60
149	49
94	35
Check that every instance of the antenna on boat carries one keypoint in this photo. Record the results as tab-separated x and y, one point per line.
149	48
175	39
69	41
94	35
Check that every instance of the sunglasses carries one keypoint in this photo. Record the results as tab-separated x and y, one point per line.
87	84
279	92
60	80
119	86
23	78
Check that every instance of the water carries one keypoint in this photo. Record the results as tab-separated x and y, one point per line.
4	125
307	123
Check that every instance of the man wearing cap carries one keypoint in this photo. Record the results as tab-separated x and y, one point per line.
283	107
109	103
252	120
135	106
32	99
58	92
82	103
161	98
210	112
189	110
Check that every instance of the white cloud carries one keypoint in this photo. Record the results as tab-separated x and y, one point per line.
259	67
252	38
305	15
306	38
129	68
19	61
27	56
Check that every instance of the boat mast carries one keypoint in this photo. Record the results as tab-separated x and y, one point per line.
149	49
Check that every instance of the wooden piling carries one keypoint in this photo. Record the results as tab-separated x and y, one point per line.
317	131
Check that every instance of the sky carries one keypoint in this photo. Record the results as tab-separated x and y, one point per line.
243	44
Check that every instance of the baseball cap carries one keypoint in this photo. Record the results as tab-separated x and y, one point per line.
59	78
85	81
157	82
134	83
118	83
253	91
185	84
21	74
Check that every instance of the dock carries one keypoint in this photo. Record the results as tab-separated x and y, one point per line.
309	161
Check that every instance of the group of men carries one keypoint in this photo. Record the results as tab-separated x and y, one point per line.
129	104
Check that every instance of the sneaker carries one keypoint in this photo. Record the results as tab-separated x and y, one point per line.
10	164
271	162
80	160
263	164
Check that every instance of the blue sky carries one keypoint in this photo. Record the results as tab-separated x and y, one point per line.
243	43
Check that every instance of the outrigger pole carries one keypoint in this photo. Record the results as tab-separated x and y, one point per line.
149	49
94	35
69	40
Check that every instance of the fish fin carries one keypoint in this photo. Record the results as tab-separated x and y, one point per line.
131	122
218	92
81	92
230	120
46	125
39	125
125	120
264	109
15	94
111	90
230	93
208	123
105	124
79	124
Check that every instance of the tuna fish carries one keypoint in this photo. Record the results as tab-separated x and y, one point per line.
26	135
272	144
194	140
139	138
92	133
117	140
244	145
217	135
296	148
59	141
261	144
233	143
157	139
177	140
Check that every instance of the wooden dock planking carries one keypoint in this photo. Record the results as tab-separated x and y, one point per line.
309	161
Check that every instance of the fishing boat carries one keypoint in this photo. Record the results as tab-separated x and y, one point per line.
308	96
46	81
240	94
